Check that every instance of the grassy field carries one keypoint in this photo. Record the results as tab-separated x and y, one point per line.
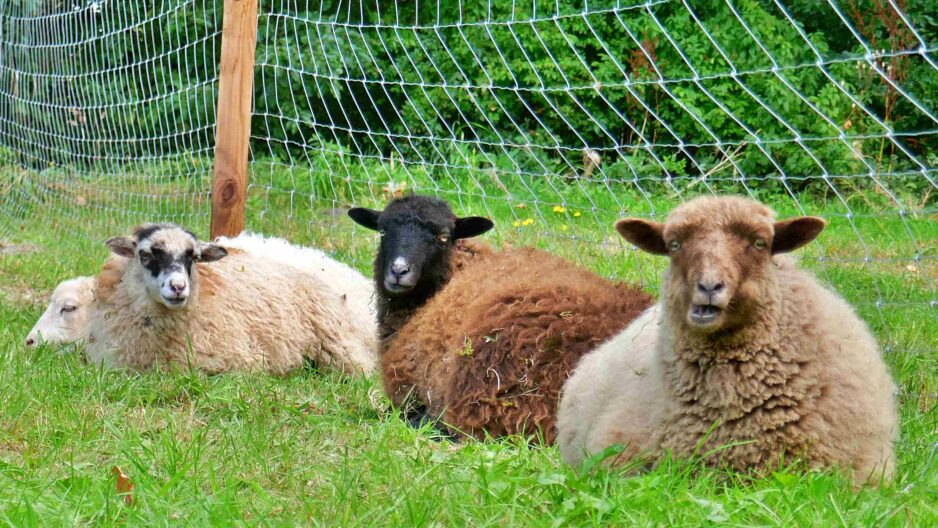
315	448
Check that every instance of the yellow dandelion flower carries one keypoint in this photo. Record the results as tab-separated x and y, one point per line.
564	227
559	209
527	222
516	223
576	214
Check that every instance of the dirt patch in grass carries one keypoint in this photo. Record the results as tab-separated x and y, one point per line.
16	249
13	290
21	295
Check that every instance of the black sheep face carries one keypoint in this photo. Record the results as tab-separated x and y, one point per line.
417	237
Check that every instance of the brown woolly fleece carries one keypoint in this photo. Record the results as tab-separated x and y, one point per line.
790	373
245	313
490	352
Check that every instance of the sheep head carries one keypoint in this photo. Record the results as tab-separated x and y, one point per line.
417	237
161	256
64	318
721	257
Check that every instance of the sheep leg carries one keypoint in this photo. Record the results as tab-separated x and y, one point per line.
418	417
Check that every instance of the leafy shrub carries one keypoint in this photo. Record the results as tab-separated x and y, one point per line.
746	91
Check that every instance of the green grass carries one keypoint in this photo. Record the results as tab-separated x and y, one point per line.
316	448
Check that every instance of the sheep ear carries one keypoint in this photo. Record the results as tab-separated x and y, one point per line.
122	246
471	226
365	217
793	233
211	253
644	234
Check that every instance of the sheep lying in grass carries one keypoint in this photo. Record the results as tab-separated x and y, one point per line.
752	353
482	339
166	298
65	319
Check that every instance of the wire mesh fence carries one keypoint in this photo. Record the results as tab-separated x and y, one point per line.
107	113
559	117
554	117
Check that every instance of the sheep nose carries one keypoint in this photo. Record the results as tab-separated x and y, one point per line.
710	288
177	285
400	268
30	341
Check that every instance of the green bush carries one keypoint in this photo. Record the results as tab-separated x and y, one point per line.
649	89
726	92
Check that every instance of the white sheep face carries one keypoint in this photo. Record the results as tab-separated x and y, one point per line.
167	260
165	255
64	320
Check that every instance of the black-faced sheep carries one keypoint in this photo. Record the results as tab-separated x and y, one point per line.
65	319
482	339
754	356
166	298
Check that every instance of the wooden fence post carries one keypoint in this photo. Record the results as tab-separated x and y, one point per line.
233	126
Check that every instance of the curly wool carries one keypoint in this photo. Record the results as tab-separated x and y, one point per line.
805	380
355	289
245	313
802	378
490	352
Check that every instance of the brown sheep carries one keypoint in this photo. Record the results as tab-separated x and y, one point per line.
483	339
758	363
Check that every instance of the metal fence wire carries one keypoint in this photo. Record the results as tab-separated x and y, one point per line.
560	115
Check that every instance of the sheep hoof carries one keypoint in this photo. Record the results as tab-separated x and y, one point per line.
418	419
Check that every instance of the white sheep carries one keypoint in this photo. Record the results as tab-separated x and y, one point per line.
65	319
614	396
758	362
166	298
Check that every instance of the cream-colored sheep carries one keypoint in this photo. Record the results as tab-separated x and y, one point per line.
760	362
614	396
166	298
65	319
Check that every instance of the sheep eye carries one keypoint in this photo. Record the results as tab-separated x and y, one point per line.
442	238
381	233
759	243
145	256
674	245
68	308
